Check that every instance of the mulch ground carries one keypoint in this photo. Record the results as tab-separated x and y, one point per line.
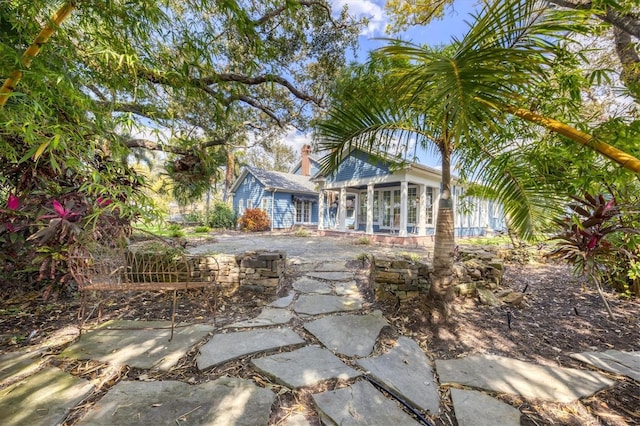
560	315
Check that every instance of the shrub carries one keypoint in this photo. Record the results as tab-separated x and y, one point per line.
255	220
302	233
175	231
201	229
362	241
221	217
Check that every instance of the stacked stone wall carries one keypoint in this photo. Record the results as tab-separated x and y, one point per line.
404	278
260	271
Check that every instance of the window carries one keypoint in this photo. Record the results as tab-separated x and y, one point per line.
429	207
362	210
249	204
303	211
240	206
266	204
412	199
376	197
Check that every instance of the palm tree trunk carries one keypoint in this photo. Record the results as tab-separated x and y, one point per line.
441	288
27	57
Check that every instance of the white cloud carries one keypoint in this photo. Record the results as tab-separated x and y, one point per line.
295	139
366	9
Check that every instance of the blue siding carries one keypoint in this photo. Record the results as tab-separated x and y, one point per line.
249	189
284	211
359	165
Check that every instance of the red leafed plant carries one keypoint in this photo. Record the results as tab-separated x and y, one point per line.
585	240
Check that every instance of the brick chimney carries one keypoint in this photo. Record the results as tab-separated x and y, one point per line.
305	163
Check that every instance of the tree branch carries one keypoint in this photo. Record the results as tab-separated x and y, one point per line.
630	61
277	11
627	22
258	80
148	111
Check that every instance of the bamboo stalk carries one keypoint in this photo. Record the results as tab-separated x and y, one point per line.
27	57
624	159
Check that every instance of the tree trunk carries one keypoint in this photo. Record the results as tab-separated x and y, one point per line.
441	291
228	177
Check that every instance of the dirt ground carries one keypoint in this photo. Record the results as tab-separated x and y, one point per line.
559	316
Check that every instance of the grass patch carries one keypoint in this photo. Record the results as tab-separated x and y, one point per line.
362	241
486	241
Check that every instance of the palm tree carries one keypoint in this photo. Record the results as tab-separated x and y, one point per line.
457	100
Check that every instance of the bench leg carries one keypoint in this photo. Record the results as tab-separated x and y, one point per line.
173	312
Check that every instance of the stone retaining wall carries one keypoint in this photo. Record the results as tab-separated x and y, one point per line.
261	271
399	277
404	278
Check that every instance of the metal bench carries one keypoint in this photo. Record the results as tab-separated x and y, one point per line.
116	266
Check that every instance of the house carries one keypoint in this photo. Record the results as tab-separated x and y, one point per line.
288	198
372	195
366	194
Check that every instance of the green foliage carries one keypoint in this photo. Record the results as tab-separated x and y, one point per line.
118	79
202	229
175	230
221	217
254	220
601	240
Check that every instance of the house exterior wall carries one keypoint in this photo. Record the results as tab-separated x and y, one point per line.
249	190
279	205
358	165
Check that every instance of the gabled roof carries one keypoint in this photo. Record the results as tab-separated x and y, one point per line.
280	181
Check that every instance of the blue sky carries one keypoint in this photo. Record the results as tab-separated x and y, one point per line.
436	33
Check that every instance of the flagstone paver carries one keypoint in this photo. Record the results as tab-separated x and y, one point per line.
268	317
304	367
330	267
226	347
349	288
44	398
359	404
140	344
350	335
282	302
315	304
311	286
222	402
625	363
475	408
406	371
516	377
332	276
17	364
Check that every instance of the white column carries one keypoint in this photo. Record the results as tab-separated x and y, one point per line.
404	195
370	211
342	210
320	210
422	210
